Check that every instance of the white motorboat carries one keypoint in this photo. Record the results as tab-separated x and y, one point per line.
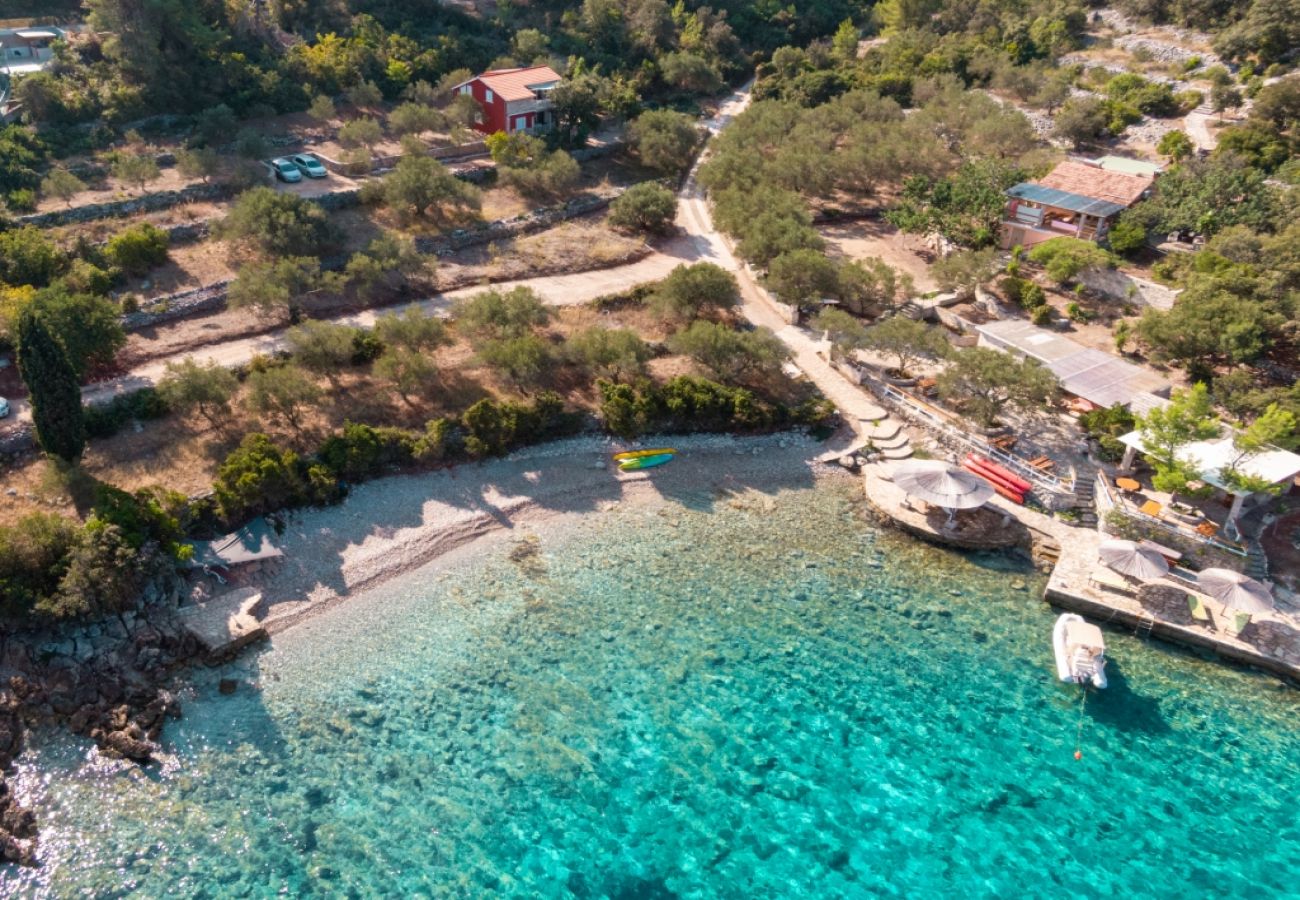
1080	651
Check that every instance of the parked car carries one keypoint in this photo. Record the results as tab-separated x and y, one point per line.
309	165
4	407
285	170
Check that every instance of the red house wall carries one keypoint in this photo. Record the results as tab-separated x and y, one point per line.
494	113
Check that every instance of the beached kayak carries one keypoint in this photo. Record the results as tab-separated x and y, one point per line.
638	454
645	462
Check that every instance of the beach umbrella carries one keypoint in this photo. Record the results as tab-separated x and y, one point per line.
940	484
1236	590
1128	558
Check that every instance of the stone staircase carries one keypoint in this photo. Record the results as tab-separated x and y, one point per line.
1256	560
911	310
887	436
1085	496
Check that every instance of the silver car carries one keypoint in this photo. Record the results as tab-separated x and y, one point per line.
285	170
309	165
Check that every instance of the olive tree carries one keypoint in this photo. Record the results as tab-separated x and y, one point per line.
907	341
206	388
982	382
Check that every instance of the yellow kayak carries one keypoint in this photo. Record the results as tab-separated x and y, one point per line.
637	454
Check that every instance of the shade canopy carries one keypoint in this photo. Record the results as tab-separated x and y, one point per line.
1236	590
940	484
1129	558
252	543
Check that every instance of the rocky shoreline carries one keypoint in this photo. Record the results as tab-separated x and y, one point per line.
107	681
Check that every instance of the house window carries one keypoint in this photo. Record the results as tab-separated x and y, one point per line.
541	118
464	88
488	96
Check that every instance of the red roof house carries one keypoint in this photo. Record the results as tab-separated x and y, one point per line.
1075	199
514	99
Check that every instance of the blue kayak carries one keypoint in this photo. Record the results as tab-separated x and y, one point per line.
644	462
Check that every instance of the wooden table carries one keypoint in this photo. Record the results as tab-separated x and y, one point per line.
1171	555
1127	484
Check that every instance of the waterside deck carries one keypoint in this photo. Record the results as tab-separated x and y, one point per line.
1271	641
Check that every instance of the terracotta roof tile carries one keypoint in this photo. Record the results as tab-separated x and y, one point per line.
1092	181
514	84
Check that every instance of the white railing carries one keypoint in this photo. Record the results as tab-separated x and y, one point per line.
1111	501
932	418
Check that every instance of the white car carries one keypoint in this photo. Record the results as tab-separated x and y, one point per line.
4	407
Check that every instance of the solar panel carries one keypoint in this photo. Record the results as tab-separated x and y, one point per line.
1037	193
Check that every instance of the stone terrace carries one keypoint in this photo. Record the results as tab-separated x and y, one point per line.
1271	641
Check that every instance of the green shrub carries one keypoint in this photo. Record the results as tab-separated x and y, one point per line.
33	558
362	451
108	419
1106	426
1042	315
1077	313
22	200
1033	297
1127	237
259	477
366	347
153	514
1064	258
690	404
138	249
1013	288
495	428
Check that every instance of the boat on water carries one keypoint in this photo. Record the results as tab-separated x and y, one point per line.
637	463
638	454
1080	651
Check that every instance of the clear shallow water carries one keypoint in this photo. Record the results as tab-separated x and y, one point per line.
731	700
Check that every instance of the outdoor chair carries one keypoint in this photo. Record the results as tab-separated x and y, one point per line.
1198	610
1108	580
1234	622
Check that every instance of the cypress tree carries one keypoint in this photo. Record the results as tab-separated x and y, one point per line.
55	393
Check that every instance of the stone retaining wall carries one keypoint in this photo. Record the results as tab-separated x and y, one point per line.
120	208
1115	285
212	297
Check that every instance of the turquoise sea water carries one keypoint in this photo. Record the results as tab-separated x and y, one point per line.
730	697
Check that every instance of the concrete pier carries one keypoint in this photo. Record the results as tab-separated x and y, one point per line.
225	623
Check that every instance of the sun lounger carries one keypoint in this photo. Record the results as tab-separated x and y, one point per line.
1234	622
1042	463
1152	509
1207	529
1006	442
1198	609
1108	580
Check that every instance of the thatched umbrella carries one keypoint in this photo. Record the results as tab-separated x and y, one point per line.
1236	590
940	484
1131	559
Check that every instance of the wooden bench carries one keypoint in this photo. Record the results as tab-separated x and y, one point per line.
1042	463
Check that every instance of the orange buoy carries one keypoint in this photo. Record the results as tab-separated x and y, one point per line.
1078	754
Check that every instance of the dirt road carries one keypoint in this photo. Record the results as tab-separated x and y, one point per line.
698	241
